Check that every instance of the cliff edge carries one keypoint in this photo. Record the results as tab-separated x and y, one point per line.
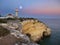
35	29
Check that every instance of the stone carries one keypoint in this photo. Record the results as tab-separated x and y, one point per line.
35	29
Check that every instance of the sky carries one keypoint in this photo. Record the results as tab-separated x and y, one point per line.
31	8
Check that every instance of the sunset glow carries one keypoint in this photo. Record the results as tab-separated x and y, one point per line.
31	7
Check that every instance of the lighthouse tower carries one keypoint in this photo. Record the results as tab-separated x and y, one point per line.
16	11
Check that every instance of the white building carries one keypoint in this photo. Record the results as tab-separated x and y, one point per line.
10	16
2	17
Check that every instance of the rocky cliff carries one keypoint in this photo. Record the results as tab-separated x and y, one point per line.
22	28
35	29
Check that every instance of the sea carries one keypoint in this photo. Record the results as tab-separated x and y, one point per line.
54	39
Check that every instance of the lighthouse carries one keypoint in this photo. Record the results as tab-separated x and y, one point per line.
16	11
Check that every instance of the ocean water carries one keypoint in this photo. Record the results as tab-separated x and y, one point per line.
54	39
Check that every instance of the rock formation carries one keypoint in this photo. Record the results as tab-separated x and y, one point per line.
25	31
36	29
15	37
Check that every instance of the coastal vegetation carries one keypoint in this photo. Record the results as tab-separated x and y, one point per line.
21	19
3	21
3	31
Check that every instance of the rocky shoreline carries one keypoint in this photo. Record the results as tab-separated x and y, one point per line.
24	31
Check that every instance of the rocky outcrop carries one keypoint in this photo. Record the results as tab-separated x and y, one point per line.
25	31
15	37
35	29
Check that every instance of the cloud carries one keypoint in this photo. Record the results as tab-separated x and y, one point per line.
47	7
42	11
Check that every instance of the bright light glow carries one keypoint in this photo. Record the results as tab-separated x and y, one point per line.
20	7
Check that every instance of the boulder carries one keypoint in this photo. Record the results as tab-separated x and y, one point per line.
36	29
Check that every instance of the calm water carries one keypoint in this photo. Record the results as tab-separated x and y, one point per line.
54	24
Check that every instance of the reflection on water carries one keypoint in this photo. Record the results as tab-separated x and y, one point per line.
54	24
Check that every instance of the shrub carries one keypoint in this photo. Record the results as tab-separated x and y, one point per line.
3	31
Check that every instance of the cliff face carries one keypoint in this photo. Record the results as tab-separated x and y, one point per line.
35	29
31	27
23	31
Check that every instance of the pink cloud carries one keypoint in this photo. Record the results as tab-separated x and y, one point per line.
43	11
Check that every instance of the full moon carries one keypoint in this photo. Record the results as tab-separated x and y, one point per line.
20	7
